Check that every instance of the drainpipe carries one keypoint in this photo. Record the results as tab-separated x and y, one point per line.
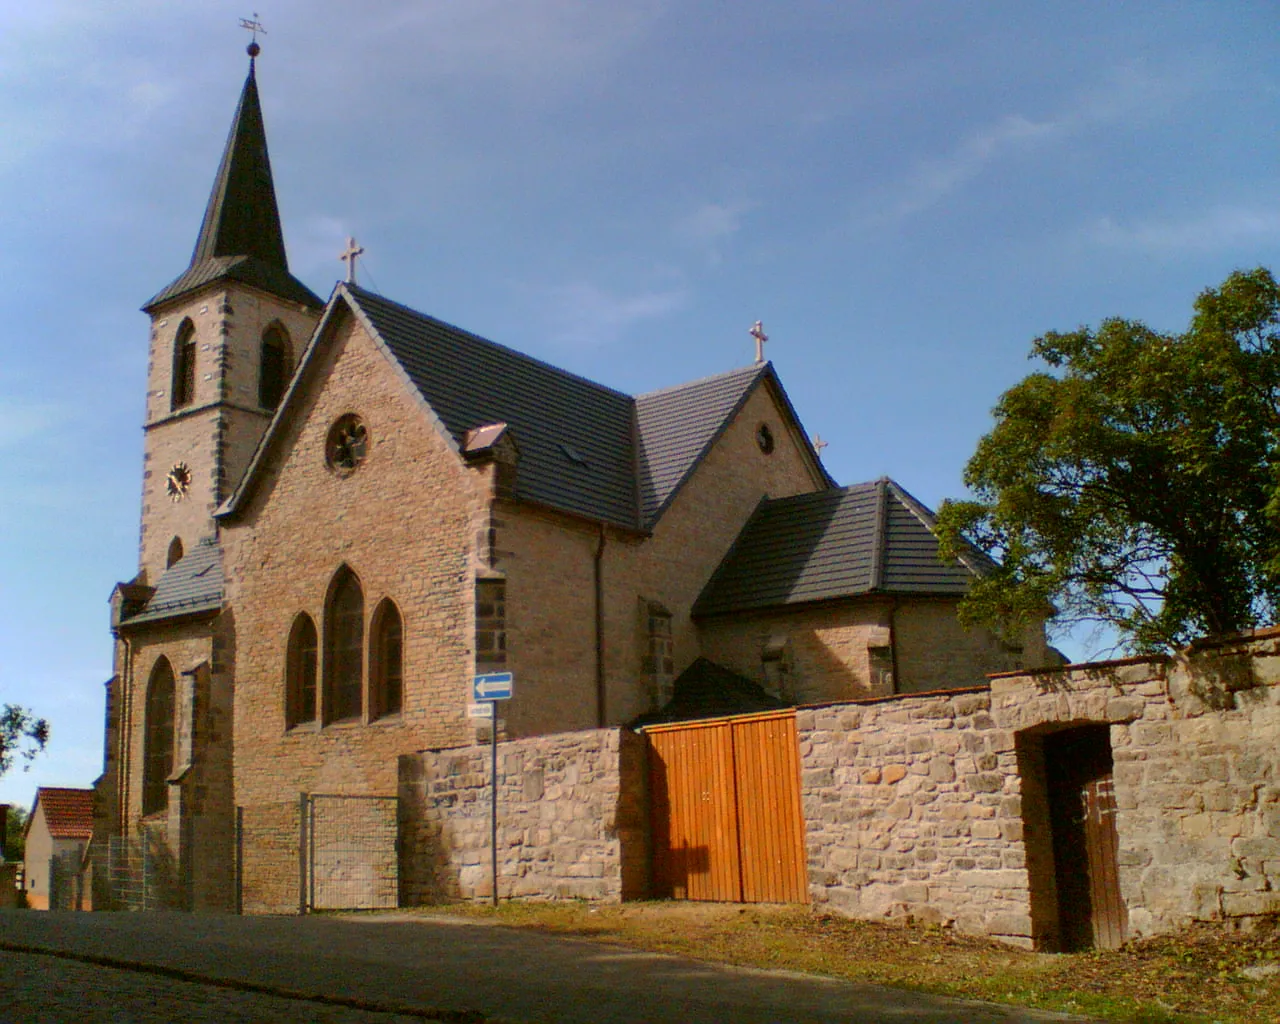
599	594
122	740
893	645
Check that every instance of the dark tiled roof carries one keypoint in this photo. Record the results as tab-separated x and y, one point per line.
240	237
865	539
68	813
574	436
676	426
193	584
708	690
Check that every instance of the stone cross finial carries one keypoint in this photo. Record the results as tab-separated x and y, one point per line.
349	257
818	445
757	332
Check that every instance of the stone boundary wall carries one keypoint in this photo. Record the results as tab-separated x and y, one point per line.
572	819
934	806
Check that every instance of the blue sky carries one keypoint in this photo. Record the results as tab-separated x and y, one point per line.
906	194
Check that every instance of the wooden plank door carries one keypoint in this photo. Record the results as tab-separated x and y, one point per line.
726	816
1102	847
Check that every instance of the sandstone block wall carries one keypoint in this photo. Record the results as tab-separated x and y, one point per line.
935	806
572	819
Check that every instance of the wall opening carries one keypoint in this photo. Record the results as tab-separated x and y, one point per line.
1068	810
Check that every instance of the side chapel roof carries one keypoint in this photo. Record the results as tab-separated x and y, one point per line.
584	448
68	813
191	586
871	538
240	237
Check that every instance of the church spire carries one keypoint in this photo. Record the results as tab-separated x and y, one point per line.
242	218
240	237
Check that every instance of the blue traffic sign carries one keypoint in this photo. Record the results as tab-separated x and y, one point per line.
492	686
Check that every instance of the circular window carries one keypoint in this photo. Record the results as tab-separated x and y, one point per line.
347	443
764	438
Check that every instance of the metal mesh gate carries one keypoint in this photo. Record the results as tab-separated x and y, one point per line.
140	874
351	851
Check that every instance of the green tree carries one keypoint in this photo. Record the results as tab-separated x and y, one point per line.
1129	483
14	841
21	735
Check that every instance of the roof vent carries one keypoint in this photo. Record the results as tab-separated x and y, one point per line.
572	454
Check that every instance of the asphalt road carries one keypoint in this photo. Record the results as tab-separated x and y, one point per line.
388	968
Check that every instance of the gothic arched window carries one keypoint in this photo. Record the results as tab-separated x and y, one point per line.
300	673
273	367
386	661
175	552
343	647
157	746
183	386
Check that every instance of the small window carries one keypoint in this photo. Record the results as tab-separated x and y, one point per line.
775	666
386	670
157	749
764	438
491	622
175	552
346	445
273	369
300	672
659	659
183	386
344	648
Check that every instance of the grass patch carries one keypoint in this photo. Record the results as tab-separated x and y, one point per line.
1192	978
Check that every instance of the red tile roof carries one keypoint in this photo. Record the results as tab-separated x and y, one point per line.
68	813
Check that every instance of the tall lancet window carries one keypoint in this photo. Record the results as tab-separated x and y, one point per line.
157	747
183	386
300	672
273	369
386	661
344	648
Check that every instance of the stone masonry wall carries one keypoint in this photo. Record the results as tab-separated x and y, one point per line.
572	819
931	807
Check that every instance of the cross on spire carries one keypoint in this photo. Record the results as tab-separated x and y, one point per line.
757	332
349	257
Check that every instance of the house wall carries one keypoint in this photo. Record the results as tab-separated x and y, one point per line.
826	647
935	652
934	807
572	819
402	522
690	540
35	861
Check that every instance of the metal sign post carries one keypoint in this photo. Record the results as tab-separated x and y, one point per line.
489	689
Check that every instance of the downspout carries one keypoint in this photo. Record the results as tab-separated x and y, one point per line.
893	644
123	740
599	595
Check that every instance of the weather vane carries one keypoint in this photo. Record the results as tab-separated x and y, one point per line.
254	26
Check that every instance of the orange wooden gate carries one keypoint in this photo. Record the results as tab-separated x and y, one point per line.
726	818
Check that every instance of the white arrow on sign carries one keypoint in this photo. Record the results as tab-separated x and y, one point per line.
492	686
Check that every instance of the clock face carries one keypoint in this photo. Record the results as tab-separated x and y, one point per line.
178	481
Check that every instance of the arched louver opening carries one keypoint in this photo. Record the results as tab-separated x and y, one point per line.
273	367
182	389
175	552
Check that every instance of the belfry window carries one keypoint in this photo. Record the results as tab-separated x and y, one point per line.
344	648
273	368
175	552
157	747
491	623
386	661
300	672
183	386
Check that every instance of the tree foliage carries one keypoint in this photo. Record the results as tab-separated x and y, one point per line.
14	841
22	735
1129	483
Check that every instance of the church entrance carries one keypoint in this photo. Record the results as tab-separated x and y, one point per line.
1082	818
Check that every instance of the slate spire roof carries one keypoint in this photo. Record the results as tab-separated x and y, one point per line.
240	236
871	538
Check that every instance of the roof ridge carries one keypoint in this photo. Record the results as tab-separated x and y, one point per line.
755	367
361	294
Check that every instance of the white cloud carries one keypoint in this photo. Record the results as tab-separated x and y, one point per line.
1218	228
584	315
711	225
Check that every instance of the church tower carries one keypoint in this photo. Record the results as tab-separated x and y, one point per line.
226	336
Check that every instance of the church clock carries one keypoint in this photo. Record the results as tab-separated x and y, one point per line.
178	481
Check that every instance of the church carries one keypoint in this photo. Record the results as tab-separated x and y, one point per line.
350	508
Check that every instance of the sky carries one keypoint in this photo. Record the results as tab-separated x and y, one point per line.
906	194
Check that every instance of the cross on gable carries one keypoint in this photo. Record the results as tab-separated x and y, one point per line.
818	445
757	332
349	257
